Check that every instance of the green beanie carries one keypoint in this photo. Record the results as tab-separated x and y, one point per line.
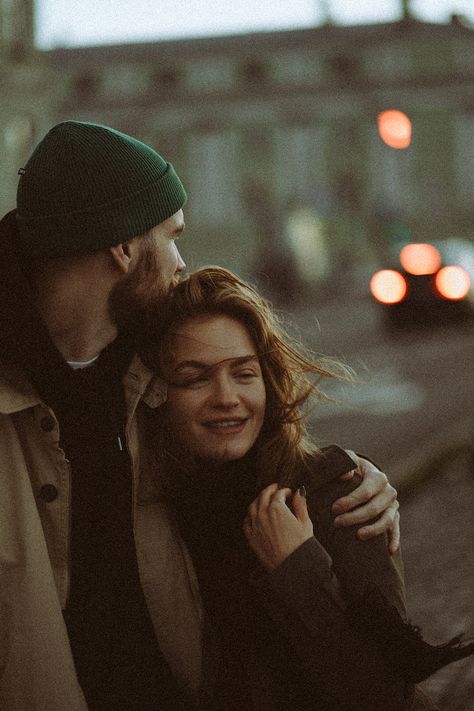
86	187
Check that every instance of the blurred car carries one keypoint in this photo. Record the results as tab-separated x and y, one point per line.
428	284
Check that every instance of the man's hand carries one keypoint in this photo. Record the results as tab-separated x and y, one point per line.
375	496
272	529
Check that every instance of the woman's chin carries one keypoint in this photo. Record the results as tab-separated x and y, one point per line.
221	457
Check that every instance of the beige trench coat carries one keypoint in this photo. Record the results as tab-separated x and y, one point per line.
36	666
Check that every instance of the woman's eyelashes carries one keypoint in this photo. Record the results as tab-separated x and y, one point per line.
190	381
198	381
246	375
201	379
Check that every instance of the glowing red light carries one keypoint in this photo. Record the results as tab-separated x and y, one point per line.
420	259
453	283
388	286
394	128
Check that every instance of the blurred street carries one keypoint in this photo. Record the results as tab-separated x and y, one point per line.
414	391
315	144
412	411
437	525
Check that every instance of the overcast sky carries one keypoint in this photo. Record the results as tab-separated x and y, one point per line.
80	22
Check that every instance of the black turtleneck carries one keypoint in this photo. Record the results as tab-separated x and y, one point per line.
211	501
118	661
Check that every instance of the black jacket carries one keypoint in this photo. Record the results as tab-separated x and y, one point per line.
326	630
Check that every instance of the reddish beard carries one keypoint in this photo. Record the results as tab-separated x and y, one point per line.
135	302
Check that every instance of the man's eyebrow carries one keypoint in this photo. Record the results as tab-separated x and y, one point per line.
199	365
178	230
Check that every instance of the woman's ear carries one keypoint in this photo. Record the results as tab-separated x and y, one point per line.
122	255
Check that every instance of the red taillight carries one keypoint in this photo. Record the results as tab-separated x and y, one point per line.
394	128
453	283
388	286
420	259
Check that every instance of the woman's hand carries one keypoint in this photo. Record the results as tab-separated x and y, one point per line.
273	529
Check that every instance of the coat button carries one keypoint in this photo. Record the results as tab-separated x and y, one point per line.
47	424
48	492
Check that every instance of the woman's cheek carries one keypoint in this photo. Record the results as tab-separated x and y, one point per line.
183	408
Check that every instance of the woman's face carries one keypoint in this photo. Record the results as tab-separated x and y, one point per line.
216	393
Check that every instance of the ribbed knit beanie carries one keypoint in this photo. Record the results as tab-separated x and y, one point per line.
86	187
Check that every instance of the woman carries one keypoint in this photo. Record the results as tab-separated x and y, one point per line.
300	614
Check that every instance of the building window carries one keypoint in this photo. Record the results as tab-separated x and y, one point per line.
300	164
464	161
253	72
167	78
18	136
125	81
213	179
85	84
297	68
210	74
344	67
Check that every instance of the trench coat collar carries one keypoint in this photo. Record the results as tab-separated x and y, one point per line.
17	392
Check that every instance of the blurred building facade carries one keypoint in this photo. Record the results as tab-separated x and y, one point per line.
275	134
30	91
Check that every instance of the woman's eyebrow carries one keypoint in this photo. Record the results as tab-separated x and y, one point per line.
199	365
191	364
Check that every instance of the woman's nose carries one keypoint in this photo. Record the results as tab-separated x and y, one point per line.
225	393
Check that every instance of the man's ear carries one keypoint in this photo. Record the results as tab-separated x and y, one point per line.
122	255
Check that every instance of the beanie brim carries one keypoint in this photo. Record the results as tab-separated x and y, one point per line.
89	230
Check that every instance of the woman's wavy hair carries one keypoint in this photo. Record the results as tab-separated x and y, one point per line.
291	375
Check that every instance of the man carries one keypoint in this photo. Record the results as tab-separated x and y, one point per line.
99	606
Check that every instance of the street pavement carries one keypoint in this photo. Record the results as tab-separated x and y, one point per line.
437	522
413	396
414	414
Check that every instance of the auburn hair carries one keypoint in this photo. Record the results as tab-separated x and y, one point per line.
291	374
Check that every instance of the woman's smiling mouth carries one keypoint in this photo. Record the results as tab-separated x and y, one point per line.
231	425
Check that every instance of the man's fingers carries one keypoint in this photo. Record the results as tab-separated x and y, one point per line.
368	491
387	522
394	536
347	476
378	506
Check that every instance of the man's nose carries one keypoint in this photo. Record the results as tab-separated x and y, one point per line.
181	264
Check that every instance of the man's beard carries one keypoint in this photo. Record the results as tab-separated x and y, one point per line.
135	302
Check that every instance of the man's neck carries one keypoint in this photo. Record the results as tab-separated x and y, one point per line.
73	300
79	330
82	342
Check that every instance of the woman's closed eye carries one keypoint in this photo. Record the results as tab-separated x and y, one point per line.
191	381
246	375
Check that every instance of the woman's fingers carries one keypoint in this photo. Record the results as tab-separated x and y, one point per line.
261	502
272	529
271	495
278	498
299	505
